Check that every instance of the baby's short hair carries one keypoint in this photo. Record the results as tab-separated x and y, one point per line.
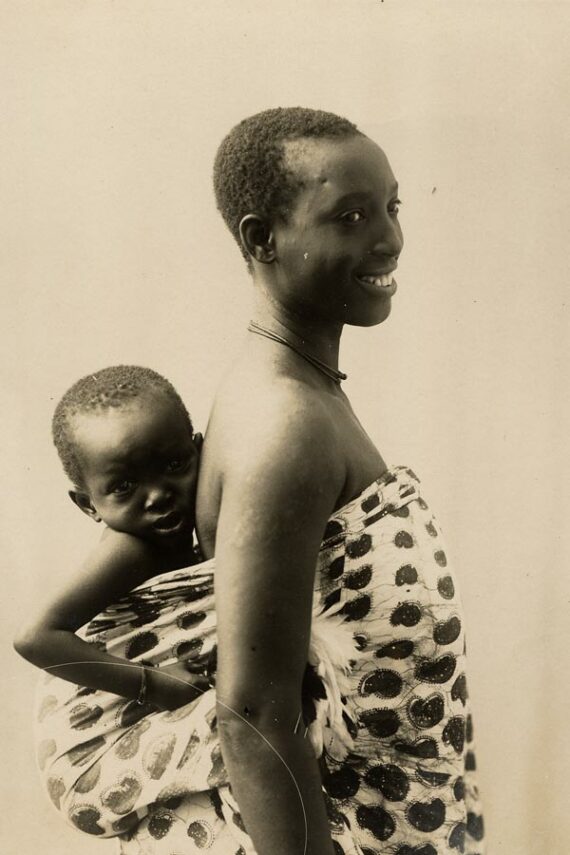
110	387
250	176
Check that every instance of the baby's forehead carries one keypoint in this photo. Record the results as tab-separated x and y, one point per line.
132	415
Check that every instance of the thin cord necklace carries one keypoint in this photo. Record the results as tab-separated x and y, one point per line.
327	370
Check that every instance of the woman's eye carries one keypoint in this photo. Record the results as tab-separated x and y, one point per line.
394	207
352	217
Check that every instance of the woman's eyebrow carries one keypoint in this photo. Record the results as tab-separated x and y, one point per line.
359	195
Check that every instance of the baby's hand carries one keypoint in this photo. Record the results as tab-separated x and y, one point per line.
173	686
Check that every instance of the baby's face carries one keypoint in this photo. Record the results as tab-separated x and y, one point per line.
140	467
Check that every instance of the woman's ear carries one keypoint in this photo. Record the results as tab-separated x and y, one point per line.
84	503
257	238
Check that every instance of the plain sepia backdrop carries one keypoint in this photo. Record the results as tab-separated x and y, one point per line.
112	251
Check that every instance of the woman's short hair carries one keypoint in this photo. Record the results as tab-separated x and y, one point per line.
250	176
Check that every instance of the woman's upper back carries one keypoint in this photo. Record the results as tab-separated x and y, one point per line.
272	405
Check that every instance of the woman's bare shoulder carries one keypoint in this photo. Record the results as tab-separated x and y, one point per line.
271	413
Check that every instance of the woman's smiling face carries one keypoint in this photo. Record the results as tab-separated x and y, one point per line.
335	253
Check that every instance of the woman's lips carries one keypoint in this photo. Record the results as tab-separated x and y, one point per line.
381	283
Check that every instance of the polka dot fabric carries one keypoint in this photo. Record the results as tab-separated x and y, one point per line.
407	784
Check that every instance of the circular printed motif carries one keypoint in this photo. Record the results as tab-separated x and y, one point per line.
121	796
406	575
457	837
375	819
390	780
125	823
459	789
432	779
447	631
359	548
475	826
342	784
454	733
380	722
141	643
427	816
470	762
200	833
431	529
440	557
384	683
428	849
184	649
358	608
157	755
446	587
459	689
83	716
160	824
426	712
128	744
190	619
45	750
370	503
336	567
404	540
406	614
86	819
333	529
424	748
404	512
56	789
359	578
436	670
80	754
396	649
88	780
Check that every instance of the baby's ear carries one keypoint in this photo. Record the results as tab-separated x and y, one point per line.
84	503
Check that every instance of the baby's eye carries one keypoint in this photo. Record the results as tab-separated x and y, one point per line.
122	488
353	217
176	464
394	206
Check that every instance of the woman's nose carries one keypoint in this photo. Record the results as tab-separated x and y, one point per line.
389	240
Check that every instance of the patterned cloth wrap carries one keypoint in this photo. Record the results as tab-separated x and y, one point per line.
105	760
384	696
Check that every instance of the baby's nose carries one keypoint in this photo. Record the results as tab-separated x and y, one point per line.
157	497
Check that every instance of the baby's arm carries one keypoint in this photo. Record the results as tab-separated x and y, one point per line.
119	563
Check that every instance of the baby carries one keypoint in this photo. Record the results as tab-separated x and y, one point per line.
127	443
129	737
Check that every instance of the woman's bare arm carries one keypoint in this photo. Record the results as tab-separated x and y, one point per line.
281	481
47	638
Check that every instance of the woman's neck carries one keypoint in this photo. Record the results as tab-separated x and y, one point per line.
316	337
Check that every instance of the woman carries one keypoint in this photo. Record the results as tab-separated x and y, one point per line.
295	501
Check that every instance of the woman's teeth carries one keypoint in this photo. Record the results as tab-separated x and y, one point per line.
380	281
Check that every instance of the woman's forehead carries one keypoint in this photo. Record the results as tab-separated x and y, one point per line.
350	163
